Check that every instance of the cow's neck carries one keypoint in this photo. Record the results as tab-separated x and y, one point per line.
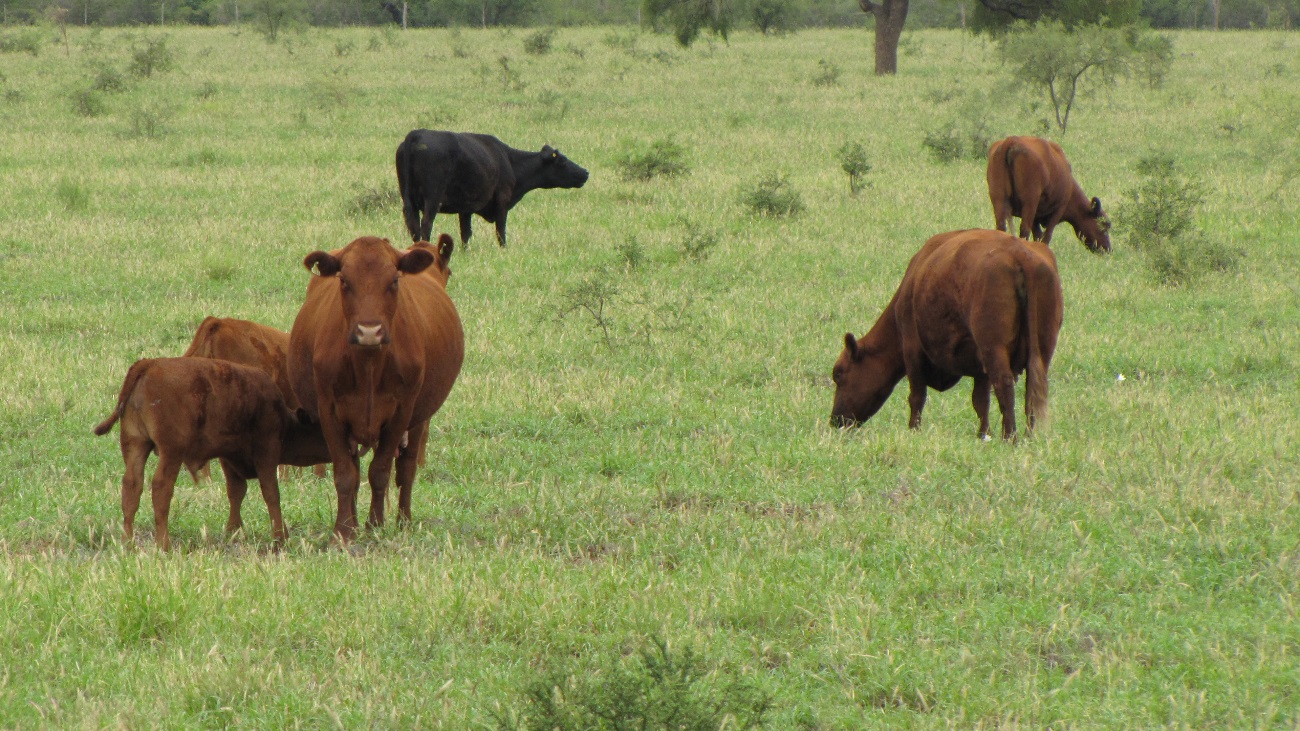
884	343
525	166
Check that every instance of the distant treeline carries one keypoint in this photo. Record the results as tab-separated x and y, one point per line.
489	13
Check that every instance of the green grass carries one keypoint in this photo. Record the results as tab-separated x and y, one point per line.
671	474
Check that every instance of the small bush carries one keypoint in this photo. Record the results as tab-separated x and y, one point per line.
88	103
700	244
853	161
344	47
108	79
538	43
330	91
772	196
663	158
945	144
552	106
593	295
631	252
22	40
74	196
659	690
828	74
148	121
375	199
376	43
220	268
152	57
1161	224
207	90
1153	56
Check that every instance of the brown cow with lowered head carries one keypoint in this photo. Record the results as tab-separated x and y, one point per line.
247	343
975	303
191	410
1029	177
373	354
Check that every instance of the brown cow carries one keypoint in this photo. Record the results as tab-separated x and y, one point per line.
251	344
972	303
191	410
1029	177
373	354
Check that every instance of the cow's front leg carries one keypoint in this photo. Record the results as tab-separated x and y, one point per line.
381	471
979	398
347	472
915	400
501	229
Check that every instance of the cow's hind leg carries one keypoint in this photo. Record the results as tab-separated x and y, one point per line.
268	481
998	367
408	462
501	229
979	399
162	487
135	452
236	489
465	229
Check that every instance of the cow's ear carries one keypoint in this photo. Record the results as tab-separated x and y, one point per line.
415	261
851	345
549	154
445	247
322	263
1096	208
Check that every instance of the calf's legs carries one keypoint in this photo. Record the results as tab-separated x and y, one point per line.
134	455
162	487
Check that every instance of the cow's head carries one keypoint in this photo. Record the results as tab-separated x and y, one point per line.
862	384
1093	228
369	273
440	270
558	171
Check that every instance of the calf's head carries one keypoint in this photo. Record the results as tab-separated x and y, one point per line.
1093	228
558	171
440	270
863	383
369	274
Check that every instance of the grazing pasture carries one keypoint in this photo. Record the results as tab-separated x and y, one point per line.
637	448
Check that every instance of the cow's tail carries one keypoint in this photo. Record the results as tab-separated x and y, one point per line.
405	160
128	385
201	346
1042	302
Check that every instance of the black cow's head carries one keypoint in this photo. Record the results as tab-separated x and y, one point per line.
558	171
1093	228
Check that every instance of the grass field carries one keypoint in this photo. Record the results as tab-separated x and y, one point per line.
671	475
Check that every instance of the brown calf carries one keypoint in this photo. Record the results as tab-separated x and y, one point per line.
247	343
1029	177
191	410
972	303
373	354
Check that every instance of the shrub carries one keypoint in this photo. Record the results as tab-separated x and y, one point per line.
1153	56
1056	60
149	121
88	103
1161	224
631	252
772	196
828	74
699	244
74	196
593	295
773	16
853	161
108	79
658	690
552	106
152	57
22	40
538	43
344	47
374	199
663	158
966	134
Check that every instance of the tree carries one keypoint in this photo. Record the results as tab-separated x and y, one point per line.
1055	60
999	15
274	16
890	15
772	16
688	18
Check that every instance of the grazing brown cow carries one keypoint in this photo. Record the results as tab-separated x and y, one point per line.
1029	177
373	354
191	410
972	303
251	344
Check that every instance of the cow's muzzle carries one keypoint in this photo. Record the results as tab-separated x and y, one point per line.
369	336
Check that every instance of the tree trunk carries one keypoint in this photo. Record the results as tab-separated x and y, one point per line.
404	4
890	17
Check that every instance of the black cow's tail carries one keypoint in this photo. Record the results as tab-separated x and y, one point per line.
128	385
405	184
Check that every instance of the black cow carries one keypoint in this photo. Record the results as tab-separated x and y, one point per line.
466	173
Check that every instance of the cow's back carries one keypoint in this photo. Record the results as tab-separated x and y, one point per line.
468	168
247	343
